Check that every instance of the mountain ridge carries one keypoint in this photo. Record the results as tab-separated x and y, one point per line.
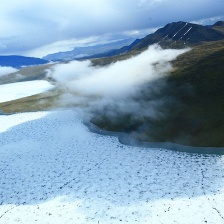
82	52
181	34
18	61
174	35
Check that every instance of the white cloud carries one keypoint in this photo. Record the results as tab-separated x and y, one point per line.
27	25
209	21
150	3
115	86
118	79
68	45
4	70
2	46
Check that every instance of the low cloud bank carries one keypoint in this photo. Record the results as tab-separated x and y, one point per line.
131	87
7	70
118	80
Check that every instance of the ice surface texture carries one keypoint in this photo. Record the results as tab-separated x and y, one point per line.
54	170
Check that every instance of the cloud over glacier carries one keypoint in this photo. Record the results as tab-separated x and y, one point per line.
118	87
117	80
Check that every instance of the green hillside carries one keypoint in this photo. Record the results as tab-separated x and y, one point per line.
193	108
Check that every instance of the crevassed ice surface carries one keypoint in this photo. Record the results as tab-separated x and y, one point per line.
53	170
19	90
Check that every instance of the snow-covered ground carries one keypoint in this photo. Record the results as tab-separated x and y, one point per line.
19	90
54	170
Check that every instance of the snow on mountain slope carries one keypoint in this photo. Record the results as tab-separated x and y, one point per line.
54	170
19	90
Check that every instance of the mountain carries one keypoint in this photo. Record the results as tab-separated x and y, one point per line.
28	73
113	52
194	116
219	26
193	106
218	23
180	35
82	52
174	35
20	61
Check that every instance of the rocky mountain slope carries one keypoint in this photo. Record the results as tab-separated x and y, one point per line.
219	26
174	35
181	34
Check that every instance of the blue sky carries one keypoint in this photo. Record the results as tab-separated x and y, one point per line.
40	27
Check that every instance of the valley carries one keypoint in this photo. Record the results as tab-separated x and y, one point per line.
112	112
194	98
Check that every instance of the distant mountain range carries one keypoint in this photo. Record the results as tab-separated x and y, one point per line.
174	35
20	61
87	52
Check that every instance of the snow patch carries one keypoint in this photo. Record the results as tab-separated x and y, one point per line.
179	30
19	90
188	31
165	37
54	170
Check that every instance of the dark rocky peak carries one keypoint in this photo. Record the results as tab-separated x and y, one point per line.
180	34
219	23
